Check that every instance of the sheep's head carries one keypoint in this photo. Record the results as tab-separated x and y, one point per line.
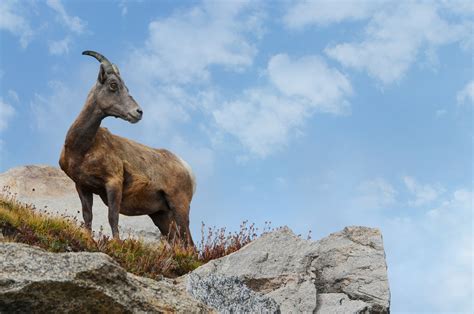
111	94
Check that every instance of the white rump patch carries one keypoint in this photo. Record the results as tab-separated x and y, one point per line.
190	171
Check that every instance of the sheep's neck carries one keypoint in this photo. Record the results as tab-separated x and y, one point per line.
81	134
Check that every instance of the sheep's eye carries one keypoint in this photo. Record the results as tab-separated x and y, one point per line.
113	86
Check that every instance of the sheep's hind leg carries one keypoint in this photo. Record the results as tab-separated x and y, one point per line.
163	220
170	226
86	201
173	221
180	208
182	223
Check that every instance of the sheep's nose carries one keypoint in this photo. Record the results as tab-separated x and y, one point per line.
140	111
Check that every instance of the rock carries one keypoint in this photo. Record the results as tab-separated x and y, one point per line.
353	262
339	303
52	191
306	276
276	265
229	295
32	280
345	272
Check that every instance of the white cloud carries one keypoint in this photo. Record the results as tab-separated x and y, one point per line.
12	21
281	182
123	7
2	151
182	48
59	47
311	80
440	112
164	107
460	201
60	104
177	59
395	36
423	248
423	193
466	95
460	7
13	18
6	113
261	121
55	108
74	23
429	249
168	108
248	188
375	194
13	95
265	119
325	12
449	224
170	74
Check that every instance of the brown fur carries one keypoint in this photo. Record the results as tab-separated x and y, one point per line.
131	178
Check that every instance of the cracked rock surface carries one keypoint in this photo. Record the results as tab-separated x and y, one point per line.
33	280
353	262
344	272
336	303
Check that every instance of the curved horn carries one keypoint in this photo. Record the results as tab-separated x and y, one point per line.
103	60
116	69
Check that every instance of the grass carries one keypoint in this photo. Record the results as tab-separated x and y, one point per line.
23	223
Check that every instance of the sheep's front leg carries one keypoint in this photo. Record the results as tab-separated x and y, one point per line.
114	200
86	201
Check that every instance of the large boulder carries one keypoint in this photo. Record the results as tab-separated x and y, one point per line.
344	272
52	191
352	262
35	281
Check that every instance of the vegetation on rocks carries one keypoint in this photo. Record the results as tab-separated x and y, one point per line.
24	223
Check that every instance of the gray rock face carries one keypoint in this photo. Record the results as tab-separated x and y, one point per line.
32	280
353	262
339	303
276	265
52	191
347	267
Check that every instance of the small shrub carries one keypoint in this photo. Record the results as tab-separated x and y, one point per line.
217	243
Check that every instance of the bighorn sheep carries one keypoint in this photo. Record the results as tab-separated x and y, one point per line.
131	178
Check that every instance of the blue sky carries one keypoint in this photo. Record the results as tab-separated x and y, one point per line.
314	115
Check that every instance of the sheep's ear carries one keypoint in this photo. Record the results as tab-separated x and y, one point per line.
102	75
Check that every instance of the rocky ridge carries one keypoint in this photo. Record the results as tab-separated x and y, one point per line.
279	272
